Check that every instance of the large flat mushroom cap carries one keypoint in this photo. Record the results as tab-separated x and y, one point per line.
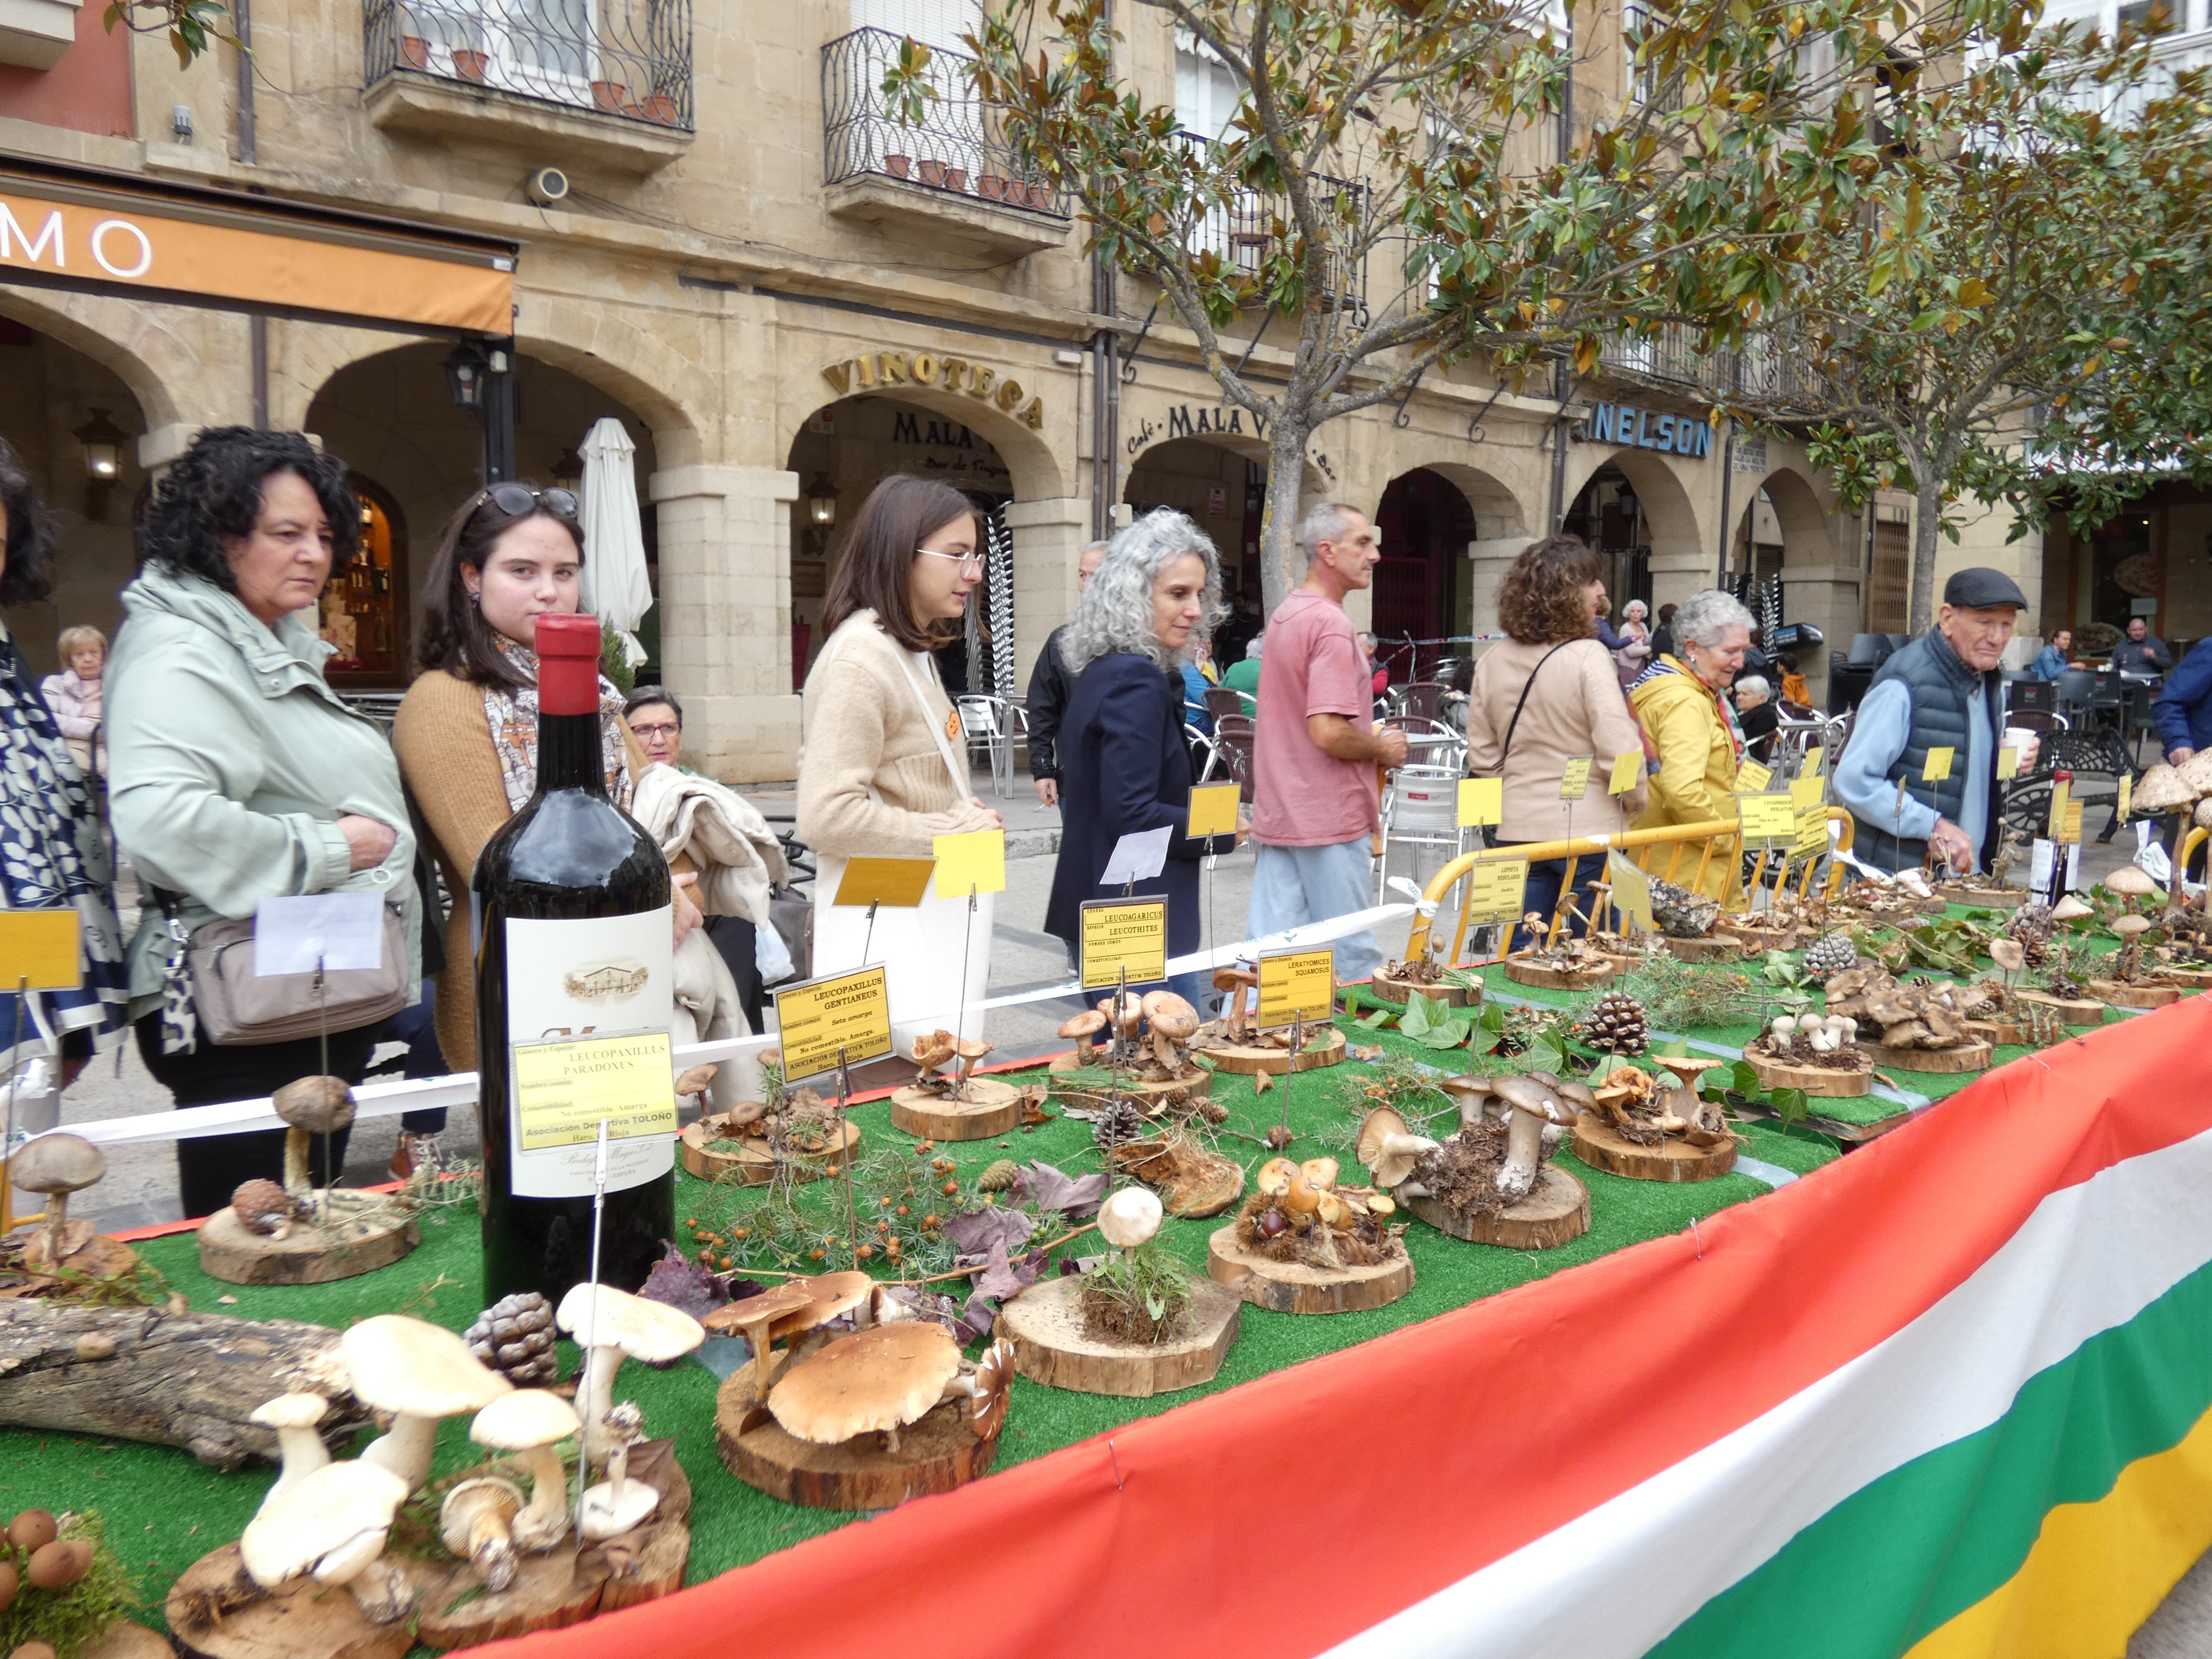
320	1105
883	1378
1380	1122
57	1162
290	1411
415	1369
317	1514
2130	881
1536	1096
2070	909
2129	927
1089	1023
1275	1176
1170	1016
599	1315
2196	773
526	1419
764	1309
1575	1093
932	1051
2162	788
828	1295
1321	1172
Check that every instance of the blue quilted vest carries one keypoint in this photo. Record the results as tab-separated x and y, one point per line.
1940	686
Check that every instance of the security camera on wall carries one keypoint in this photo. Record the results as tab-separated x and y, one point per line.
547	187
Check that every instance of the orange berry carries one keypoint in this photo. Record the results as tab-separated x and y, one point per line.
864	1252
814	1255
951	1187
740	1232
902	1209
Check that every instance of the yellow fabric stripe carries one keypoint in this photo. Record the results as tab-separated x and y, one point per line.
2097	1571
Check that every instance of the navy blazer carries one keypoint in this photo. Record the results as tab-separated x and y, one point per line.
1125	767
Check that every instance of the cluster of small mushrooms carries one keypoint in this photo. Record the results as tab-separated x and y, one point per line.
1640	1108
1803	1036
941	1048
1151	1034
329	1522
1300	1211
1918	1015
1568	951
797	1119
1534	1113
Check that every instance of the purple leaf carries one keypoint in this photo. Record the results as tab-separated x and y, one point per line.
1074	1196
683	1283
975	1235
1001	1278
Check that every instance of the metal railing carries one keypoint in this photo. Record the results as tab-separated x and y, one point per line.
1244	228
1772	370
957	147
627	58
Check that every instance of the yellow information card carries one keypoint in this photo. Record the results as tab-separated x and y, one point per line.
970	864
1295	982
1124	933
851	1012
1767	820
1632	891
1807	791
2061	794
1814	757
2127	794
895	883
39	947
1481	800
563	1090
1751	778
1212	809
1812	833
1574	782
1494	890
1627	769
2007	763
2071	833
1938	766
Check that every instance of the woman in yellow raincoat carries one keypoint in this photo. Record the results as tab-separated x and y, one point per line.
1682	699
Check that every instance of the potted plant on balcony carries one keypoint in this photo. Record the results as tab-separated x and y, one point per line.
608	96
469	64
997	187
956	179
660	107
898	165
414	51
933	174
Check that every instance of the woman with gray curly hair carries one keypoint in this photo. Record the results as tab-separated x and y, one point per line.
1124	766
1684	703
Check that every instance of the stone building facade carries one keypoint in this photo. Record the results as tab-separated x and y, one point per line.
782	294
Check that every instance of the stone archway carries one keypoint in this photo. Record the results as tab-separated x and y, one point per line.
1670	556
1818	586
159	353
1503	525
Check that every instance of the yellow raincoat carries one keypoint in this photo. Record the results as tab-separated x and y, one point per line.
1699	751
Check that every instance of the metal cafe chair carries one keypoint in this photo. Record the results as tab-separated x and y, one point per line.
1423	699
1233	748
1420	809
985	725
1224	700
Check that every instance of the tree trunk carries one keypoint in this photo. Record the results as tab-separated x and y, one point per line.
1927	516
1282	565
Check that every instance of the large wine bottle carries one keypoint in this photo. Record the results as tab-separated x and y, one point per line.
572	932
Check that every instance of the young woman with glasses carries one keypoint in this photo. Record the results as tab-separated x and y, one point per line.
883	764
466	732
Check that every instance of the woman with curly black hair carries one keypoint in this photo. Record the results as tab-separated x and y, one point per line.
52	855
235	773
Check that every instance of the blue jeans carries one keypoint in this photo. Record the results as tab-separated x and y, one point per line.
1542	893
1298	886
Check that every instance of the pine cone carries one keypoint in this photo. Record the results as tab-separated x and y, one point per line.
1616	1022
2032	925
997	1177
1830	956
1117	1121
263	1206
514	1337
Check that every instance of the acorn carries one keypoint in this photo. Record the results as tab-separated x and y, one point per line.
33	1529
60	1564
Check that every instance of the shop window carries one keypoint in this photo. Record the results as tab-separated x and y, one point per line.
364	609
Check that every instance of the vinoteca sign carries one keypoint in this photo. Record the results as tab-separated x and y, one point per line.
878	371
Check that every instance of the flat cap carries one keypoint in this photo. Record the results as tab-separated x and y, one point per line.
1978	588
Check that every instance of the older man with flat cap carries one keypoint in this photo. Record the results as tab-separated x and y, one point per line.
1942	691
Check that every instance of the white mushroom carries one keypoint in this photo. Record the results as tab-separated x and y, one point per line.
476	1522
331	1525
419	1372
530	1425
610	1324
2070	909
294	1417
1388	1148
619	1503
1535	1105
1785	1027
1130	1218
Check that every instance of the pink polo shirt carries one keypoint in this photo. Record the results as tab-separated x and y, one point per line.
1302	795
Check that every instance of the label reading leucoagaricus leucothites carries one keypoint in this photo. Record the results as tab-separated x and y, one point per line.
573	979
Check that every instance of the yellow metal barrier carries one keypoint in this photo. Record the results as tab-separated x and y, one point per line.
2190	842
1643	842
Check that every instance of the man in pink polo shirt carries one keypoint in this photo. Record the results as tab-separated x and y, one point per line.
1315	750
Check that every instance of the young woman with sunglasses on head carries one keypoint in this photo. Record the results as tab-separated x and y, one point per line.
466	732
882	764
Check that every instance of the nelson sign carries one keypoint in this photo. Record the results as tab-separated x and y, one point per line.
1686	436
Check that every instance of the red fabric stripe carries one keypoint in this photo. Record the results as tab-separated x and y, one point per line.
1311	1503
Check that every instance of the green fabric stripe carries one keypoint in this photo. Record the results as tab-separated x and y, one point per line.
1923	1543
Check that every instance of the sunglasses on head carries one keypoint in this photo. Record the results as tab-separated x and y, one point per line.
516	499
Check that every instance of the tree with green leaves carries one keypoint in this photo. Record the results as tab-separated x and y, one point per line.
2018	312
192	26
1416	141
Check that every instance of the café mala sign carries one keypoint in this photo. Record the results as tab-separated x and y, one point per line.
875	371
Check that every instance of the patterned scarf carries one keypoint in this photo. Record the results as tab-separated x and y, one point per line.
53	856
512	713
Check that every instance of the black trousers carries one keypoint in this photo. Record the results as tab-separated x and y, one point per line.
733	938
209	1168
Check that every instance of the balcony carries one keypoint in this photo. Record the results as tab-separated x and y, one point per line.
950	180
1773	371
1246	227
604	83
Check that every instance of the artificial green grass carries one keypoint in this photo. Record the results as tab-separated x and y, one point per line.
164	1511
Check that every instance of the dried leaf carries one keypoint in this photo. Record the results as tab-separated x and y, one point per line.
683	1283
975	1235
1262	1081
1077	1197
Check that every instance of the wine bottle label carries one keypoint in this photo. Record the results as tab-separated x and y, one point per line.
573	979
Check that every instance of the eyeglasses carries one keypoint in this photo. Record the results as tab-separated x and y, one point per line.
642	732
966	561
516	499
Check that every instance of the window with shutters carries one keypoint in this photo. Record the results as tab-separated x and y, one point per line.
1889	583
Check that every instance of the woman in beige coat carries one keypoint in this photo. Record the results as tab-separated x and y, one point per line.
1547	695
882	765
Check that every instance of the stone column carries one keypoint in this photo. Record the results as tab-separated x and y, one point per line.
1678	572
725	616
1491	558
1828	596
1049	537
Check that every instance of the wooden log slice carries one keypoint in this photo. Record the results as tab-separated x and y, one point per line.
1292	1288
984	1107
937	1454
1961	1057
125	1640
1248	1060
1830	1081
1757	940
550	1592
1147	1097
1989	898
215	1612
1389	988
1604	1147
350	1246
1045	1325
1522	972
2194	979
1996	1031
2071	1011
2125	993
1725	949
749	1163
650	1573
1556	1212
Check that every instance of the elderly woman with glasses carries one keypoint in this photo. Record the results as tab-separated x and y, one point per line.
1683	700
466	732
235	773
1125	763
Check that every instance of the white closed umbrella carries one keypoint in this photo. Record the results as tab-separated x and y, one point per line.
616	589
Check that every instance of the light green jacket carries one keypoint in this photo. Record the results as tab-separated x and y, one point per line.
230	763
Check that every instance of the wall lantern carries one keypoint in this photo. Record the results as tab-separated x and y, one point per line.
821	501
103	443
465	372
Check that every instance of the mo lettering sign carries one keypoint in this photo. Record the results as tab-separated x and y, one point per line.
875	371
1647	428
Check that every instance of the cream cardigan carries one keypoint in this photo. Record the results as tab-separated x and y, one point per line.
1575	707
872	779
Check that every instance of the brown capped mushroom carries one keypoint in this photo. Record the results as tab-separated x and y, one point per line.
1127	1018
696	1081
1085	1028
2070	909
2009	954
1388	1148
1275	1176
310	1106
2195	772
2130	881
876	1381
55	1166
1172	1022
1233	983
2160	789
1321	1172
971	1050
933	1051
829	1296
476	1524
753	1318
1471	1093
1535	1106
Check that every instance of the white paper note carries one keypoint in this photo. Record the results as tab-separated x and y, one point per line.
343	930
1138	857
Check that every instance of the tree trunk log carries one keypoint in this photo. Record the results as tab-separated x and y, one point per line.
189	1380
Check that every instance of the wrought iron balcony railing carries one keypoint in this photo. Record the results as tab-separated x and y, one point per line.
1248	225
628	59
957	146
1773	369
